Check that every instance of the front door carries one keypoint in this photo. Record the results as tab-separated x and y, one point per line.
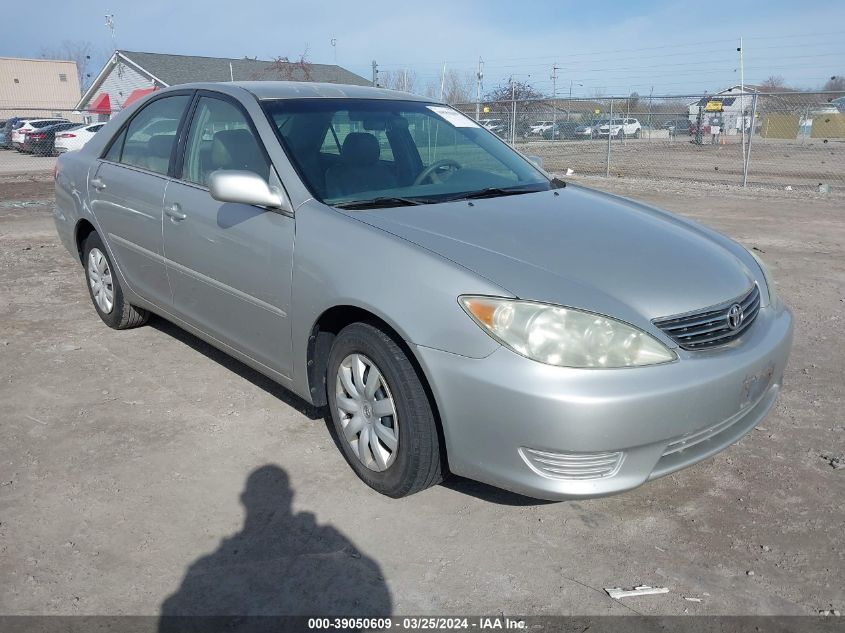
126	190
229	264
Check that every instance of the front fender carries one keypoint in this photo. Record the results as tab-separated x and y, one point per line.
339	260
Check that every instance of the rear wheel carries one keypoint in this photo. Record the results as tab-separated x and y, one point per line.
382	416
104	288
637	134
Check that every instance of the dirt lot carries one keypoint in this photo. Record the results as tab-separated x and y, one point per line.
142	471
774	162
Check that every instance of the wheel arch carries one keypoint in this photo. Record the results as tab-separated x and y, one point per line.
322	334
83	229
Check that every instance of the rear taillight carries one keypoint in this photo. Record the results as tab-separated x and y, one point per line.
38	136
67	135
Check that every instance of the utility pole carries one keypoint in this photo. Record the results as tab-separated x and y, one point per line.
110	26
443	81
742	98
554	99
569	105
650	97
513	116
375	73
479	78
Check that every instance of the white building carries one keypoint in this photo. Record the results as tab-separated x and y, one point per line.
725	108
128	76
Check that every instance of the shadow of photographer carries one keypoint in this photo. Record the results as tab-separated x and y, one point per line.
280	563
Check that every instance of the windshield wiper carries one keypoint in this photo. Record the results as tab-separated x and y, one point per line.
490	192
381	203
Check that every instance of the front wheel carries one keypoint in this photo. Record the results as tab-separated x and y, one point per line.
637	134
381	413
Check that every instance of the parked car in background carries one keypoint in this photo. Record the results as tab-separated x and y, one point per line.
31	125
587	130
678	126
9	127
540	128
2	131
70	140
824	108
497	126
41	140
567	343
561	130
621	128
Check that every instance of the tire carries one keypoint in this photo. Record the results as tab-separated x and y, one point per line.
118	313
637	134
415	462
620	135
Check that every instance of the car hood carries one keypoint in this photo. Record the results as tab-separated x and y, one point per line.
580	248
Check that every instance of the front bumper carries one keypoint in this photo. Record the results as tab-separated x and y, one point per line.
659	419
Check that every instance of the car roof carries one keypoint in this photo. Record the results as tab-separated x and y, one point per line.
265	90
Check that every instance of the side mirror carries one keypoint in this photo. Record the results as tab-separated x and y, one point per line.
537	160
245	187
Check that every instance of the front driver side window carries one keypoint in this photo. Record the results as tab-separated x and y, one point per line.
221	138
152	133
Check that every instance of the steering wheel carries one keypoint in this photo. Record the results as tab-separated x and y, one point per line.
435	168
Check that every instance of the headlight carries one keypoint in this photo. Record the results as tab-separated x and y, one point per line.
564	336
767	277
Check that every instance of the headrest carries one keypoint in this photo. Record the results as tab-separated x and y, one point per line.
160	145
360	148
237	149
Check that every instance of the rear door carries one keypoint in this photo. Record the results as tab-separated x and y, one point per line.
126	190
230	264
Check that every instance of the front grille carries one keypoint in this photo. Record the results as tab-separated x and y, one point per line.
710	327
572	465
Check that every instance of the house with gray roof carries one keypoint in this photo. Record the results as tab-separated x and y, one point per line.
129	75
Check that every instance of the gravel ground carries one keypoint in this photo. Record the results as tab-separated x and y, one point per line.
144	472
774	162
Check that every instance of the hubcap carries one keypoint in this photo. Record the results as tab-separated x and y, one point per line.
99	276
367	412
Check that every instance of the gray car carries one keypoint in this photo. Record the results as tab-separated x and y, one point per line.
454	307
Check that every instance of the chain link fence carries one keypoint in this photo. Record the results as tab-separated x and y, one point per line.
789	139
18	158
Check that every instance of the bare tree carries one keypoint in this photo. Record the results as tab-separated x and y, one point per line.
835	84
774	83
76	51
403	79
529	104
457	87
285	68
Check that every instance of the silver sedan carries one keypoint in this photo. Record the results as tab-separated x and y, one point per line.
454	307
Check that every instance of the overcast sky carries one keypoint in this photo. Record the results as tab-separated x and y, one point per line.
614	46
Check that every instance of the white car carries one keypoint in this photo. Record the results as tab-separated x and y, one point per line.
619	128
496	126
71	140
541	126
19	135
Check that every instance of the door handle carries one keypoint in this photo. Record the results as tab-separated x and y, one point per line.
174	212
98	184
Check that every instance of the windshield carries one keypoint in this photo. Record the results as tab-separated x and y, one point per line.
353	151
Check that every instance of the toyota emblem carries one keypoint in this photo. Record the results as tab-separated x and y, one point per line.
735	316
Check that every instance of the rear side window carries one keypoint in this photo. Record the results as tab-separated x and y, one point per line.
151	135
